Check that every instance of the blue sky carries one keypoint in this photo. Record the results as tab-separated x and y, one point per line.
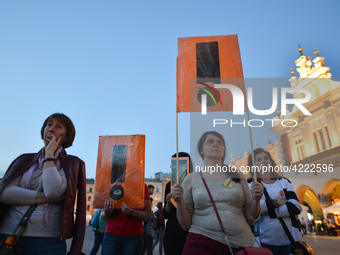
111	65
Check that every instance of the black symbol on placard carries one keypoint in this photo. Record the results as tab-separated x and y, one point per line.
118	170
116	192
208	61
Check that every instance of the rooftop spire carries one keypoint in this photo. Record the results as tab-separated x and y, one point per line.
300	49
316	52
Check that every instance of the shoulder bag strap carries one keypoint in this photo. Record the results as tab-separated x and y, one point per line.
289	235
217	214
11	240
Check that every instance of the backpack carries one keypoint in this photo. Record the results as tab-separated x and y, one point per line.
95	220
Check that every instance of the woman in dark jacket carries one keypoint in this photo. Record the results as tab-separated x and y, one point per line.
174	235
52	180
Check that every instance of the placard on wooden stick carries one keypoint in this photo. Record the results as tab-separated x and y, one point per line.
120	171
183	169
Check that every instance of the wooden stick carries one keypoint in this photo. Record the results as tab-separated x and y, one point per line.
252	147
177	166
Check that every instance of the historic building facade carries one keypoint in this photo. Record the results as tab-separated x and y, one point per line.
313	145
90	185
310	146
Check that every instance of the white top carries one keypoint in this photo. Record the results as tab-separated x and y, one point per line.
272	230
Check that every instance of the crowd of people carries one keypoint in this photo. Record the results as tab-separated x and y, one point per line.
50	181
326	226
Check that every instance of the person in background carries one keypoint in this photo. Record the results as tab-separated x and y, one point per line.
303	226
159	228
98	225
148	234
237	206
331	228
53	180
313	225
324	227
124	228
310	225
174	235
283	203
318	227
151	189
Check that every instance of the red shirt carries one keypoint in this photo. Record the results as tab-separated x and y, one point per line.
123	225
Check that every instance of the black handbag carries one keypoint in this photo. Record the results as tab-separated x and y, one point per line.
298	247
7	246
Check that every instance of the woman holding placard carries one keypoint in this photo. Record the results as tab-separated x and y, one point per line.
279	205
174	235
124	228
237	206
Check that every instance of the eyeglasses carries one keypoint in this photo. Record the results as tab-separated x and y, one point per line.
212	142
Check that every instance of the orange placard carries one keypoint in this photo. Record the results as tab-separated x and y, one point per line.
203	62
120	171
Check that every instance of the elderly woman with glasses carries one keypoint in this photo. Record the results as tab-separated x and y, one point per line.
237	206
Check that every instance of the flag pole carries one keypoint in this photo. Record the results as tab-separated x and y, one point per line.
177	167
251	145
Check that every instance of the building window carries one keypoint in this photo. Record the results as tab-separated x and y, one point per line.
322	139
157	189
300	149
88	207
316	142
328	137
89	198
91	190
